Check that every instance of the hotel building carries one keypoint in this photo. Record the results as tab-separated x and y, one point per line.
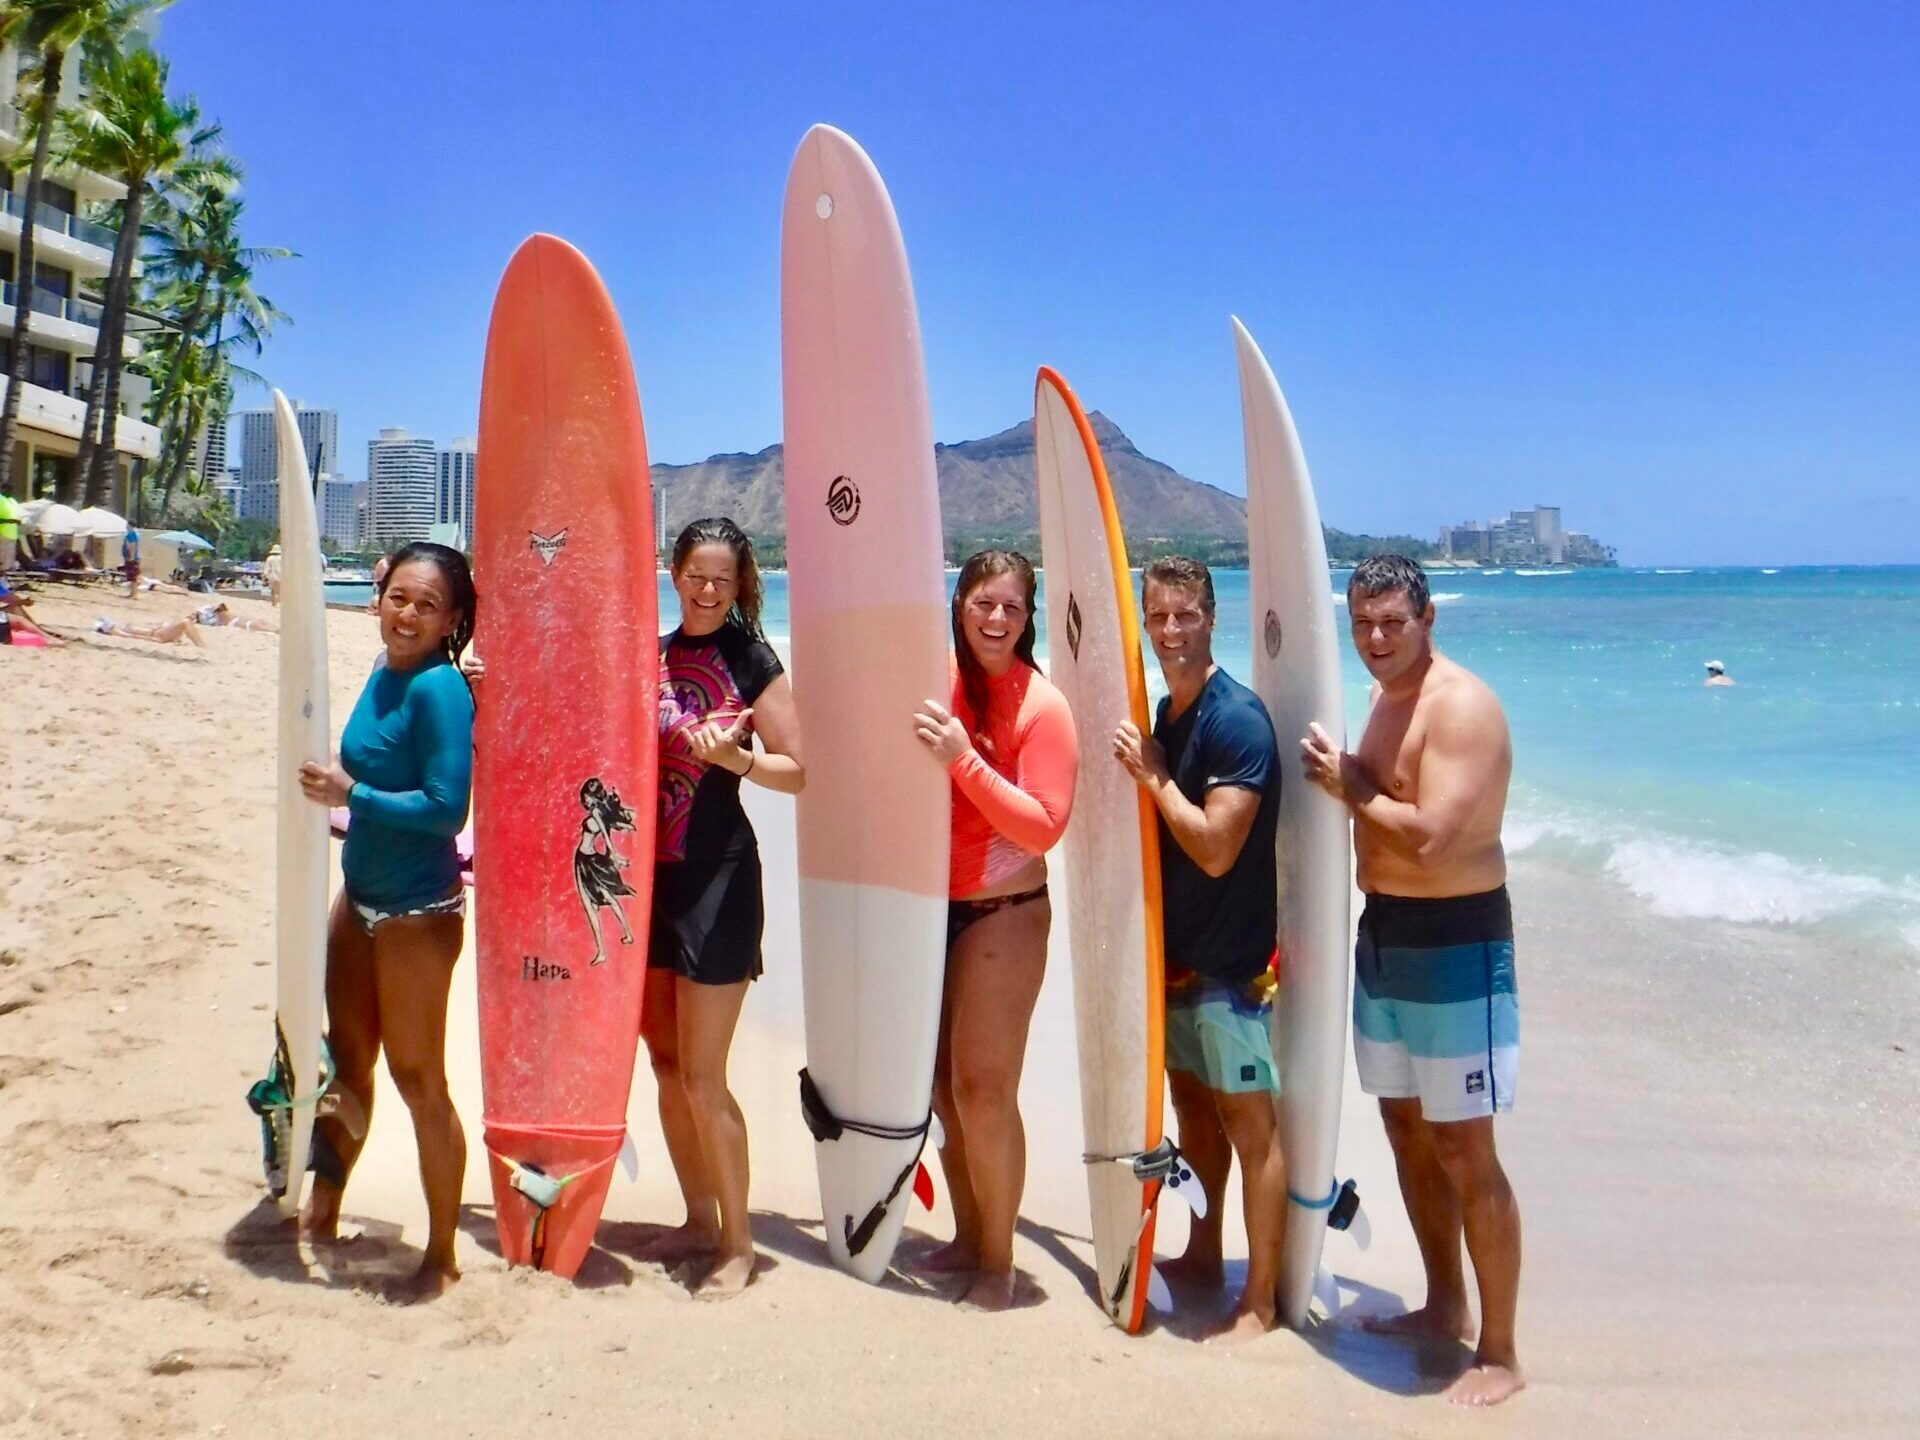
73	255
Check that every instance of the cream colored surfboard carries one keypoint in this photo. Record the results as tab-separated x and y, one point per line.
1296	673
301	835
1112	848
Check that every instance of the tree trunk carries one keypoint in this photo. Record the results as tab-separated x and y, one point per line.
163	406
119	295
179	462
51	63
118	277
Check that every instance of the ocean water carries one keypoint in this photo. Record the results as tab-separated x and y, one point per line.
1790	799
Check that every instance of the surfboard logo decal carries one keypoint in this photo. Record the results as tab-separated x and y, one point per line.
843	500
546	546
597	863
1273	634
1073	624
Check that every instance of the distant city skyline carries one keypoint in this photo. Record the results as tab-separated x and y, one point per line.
1661	258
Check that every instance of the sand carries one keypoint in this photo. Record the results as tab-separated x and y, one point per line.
1714	1151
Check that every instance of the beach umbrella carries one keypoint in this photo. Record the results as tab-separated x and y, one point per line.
183	540
98	522
57	519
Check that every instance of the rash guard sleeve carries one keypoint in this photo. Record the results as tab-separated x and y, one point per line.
1032	808
441	729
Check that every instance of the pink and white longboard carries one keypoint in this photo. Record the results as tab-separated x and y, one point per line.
869	624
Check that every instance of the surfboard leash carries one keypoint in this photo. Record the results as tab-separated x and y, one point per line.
826	1127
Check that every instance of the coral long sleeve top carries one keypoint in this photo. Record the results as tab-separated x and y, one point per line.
1013	791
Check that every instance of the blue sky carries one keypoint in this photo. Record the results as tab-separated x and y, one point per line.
1659	264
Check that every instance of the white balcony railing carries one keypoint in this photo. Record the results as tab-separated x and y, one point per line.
45	302
61	222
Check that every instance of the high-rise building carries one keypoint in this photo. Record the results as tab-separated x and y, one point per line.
260	455
402	478
341	503
453	499
73	256
1548	534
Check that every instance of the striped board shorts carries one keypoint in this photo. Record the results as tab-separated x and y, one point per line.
1436	1015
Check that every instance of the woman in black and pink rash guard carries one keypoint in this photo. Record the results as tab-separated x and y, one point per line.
720	685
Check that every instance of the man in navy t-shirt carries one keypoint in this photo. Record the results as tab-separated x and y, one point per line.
1210	768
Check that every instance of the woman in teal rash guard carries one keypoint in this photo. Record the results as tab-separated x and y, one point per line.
405	773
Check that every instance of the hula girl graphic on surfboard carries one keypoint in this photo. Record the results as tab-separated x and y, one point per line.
597	864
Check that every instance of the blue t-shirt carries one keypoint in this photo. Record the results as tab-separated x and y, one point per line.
409	747
1226	927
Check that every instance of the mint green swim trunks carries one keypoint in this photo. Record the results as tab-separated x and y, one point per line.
1219	1033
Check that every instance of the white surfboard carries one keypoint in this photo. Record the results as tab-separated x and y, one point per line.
1296	673
300	888
869	621
1112	845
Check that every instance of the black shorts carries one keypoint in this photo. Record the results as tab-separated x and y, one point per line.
707	923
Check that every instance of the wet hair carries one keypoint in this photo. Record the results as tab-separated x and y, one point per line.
1383	574
456	572
1179	572
719	530
976	572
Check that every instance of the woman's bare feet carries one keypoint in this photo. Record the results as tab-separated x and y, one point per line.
1484	1383
1429	1322
956	1257
729	1276
991	1291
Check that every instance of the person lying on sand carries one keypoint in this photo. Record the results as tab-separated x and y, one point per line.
16	626
166	632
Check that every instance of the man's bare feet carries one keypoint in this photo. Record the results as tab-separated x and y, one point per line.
1429	1322
1197	1270
1244	1325
1483	1383
954	1258
991	1291
433	1279
683	1242
728	1277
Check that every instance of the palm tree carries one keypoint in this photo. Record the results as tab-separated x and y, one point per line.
50	29
252	317
197	264
134	132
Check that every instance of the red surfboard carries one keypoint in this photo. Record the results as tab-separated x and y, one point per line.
565	739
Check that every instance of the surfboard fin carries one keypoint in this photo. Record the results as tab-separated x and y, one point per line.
1327	1291
629	1157
922	1184
936	1132
1164	1163
1158	1295
1185	1186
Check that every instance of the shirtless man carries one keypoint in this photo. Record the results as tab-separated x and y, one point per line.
1436	1026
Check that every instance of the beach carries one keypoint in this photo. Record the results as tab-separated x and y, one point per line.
1714	1149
